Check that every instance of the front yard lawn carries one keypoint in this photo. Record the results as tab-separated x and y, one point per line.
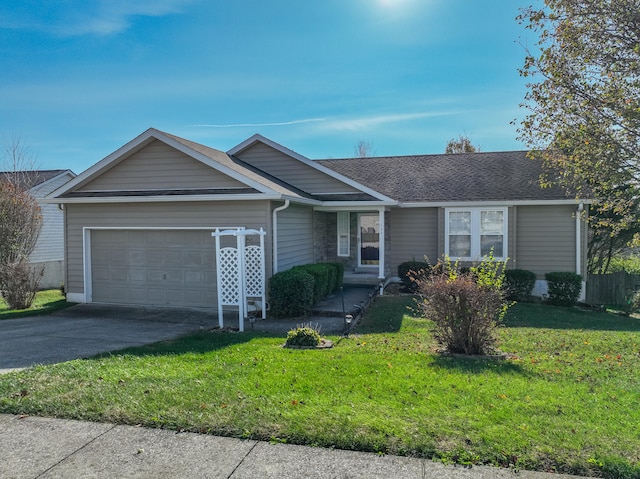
46	302
567	401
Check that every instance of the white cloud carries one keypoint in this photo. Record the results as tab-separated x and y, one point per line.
365	123
102	17
242	125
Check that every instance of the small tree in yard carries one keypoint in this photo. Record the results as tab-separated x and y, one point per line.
465	307
20	221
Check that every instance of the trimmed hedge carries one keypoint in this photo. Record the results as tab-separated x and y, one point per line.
320	273
291	293
519	283
420	269
339	279
564	288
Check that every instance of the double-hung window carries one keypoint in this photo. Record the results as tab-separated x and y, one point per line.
472	233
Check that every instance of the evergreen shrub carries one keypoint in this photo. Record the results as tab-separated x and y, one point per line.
563	288
519	284
291	293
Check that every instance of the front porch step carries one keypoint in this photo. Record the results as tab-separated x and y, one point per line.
358	278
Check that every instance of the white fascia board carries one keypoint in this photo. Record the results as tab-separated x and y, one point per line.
160	198
69	173
353	205
300	200
213	164
138	142
455	204
303	159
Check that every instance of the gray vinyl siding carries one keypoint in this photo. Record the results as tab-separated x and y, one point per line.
159	166
546	239
292	171
413	235
50	243
295	236
250	214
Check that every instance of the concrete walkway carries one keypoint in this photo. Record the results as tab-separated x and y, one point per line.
42	448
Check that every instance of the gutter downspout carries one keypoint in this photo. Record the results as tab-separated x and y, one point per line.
274	223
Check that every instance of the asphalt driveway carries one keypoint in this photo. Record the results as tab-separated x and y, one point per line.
88	329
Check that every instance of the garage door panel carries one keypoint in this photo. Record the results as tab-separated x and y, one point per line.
173	257
137	257
153	267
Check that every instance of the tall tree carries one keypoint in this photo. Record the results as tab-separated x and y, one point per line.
462	144
20	222
584	108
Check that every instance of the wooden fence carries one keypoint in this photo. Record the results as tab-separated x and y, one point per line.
615	288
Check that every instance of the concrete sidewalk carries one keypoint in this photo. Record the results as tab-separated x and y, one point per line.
34	447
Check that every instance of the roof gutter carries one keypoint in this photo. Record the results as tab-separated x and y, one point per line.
159	198
275	234
442	204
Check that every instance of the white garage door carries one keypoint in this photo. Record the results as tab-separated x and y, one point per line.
154	267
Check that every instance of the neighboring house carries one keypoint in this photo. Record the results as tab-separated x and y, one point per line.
49	248
139	222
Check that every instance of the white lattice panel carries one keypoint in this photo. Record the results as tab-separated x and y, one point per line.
229	287
253	270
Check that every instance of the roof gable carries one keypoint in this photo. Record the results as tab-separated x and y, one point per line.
158	166
301	172
222	175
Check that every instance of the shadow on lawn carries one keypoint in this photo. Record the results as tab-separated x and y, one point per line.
42	309
386	315
475	365
197	343
527	315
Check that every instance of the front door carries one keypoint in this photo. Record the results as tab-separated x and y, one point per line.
368	239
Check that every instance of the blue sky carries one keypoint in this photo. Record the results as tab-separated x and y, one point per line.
80	78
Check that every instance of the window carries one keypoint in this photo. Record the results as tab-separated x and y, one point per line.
471	233
343	233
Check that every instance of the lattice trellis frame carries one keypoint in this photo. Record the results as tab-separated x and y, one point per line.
229	284
254	271
240	276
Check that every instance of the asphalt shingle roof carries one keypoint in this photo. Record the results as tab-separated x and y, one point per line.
507	175
29	178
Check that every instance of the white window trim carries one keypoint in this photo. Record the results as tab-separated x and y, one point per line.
343	219
475	231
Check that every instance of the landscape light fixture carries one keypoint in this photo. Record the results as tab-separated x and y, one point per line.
348	319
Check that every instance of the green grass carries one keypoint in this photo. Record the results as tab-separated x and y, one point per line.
567	402
46	302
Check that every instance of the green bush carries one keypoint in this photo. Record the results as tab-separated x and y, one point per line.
305	335
633	304
564	288
339	279
291	293
629	264
465	307
320	273
332	277
519	283
410	271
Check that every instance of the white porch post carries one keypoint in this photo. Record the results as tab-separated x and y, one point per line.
219	277
381	255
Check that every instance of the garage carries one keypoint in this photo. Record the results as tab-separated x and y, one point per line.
168	267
